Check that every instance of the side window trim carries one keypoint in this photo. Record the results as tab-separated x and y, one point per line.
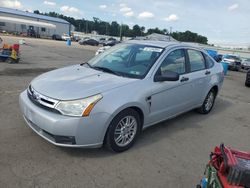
187	63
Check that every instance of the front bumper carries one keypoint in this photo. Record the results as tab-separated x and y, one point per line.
63	130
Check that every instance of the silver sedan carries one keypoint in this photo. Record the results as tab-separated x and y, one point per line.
110	99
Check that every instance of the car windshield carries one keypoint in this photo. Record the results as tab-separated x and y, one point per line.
129	60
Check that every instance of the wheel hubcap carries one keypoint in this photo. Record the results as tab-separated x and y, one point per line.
125	131
209	101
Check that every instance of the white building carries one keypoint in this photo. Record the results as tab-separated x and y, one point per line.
17	21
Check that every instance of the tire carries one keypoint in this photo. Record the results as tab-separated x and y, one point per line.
117	137
208	102
247	84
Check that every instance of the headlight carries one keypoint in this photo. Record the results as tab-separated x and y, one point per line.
80	107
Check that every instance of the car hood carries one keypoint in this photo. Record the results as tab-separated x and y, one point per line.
76	82
246	62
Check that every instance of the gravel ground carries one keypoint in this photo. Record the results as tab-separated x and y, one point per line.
170	154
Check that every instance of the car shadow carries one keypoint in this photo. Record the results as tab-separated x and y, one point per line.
156	132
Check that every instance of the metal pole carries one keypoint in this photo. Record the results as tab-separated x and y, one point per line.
86	26
170	31
121	32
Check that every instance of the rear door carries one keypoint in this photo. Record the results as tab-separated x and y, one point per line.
197	75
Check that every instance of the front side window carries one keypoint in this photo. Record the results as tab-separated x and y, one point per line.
196	60
174	62
130	60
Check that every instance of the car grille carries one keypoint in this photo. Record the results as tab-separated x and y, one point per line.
41	100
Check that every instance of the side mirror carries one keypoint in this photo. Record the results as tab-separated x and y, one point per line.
167	76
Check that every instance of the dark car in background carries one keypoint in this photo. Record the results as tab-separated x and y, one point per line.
234	61
247	83
218	58
245	64
56	37
91	42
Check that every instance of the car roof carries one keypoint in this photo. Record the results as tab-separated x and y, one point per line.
233	55
162	44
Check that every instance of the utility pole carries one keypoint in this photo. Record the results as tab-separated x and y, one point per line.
170	31
106	27
86	26
121	32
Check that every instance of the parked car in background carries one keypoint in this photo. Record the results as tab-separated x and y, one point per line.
247	83
245	64
102	41
234	61
56	37
91	42
76	38
112	97
111	42
218	57
65	37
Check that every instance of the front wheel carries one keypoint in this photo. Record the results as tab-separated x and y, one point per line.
123	131
208	102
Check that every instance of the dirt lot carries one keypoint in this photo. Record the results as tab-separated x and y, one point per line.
171	154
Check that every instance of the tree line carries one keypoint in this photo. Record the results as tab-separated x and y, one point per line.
116	29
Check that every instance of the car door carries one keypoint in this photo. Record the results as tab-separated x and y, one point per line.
197	76
170	98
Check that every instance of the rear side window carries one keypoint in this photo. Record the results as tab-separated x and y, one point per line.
196	60
209	61
174	62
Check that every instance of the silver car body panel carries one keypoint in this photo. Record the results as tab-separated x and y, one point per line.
157	101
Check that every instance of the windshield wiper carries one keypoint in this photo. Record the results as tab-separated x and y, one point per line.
105	69
85	63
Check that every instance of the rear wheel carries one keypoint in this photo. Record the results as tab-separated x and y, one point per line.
123	131
208	102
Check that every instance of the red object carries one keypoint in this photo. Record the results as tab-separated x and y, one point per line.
233	166
224	182
16	47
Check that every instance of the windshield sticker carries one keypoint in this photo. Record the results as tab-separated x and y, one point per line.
135	72
151	49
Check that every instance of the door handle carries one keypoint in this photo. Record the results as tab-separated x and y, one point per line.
184	79
207	72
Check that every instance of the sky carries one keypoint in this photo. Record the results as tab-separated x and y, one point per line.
224	22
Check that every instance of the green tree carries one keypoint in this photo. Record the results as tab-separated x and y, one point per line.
136	30
114	29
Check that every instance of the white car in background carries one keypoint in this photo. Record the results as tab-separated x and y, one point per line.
65	37
102	49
